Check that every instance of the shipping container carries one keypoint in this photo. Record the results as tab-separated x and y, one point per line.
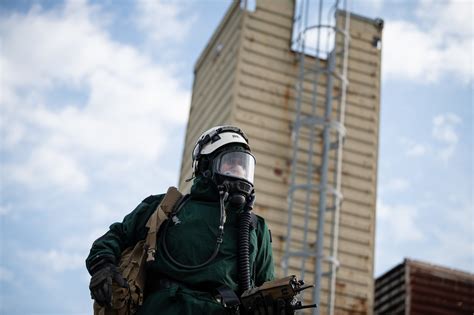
419	288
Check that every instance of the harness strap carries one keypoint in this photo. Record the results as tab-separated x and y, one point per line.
161	214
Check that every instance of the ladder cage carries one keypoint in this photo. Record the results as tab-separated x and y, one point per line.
321	42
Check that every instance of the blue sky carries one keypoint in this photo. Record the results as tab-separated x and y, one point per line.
94	100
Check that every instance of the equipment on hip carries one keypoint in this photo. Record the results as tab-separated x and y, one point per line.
124	294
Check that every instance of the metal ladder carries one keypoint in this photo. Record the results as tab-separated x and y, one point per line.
327	126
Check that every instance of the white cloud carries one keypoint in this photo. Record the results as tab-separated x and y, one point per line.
444	131
398	222
417	150
103	214
52	261
414	149
397	185
451	17
127	102
83	242
432	230
445	134
453	237
443	127
71	46
13	135
163	21
440	42
83	112
47	166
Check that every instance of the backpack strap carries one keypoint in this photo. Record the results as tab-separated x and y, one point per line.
161	214
253	220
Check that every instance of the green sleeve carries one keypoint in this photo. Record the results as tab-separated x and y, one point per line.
122	235
264	261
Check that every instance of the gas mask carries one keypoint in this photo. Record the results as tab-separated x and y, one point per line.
234	173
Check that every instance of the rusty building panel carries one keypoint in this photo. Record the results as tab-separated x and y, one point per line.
257	70
416	288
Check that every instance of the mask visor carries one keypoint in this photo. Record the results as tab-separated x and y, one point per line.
237	164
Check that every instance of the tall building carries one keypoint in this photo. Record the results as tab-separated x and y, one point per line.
246	76
414	287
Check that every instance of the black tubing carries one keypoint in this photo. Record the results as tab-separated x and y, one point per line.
244	249
218	242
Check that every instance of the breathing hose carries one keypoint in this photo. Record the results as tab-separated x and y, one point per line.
243	245
244	249
220	237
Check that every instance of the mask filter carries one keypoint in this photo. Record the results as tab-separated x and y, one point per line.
238	192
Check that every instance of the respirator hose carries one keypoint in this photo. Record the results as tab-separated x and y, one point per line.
244	249
220	236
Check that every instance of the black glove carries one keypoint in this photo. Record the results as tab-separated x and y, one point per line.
103	273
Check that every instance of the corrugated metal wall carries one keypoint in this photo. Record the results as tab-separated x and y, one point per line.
261	101
390	292
417	288
214	85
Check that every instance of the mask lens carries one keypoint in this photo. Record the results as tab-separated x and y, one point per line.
237	164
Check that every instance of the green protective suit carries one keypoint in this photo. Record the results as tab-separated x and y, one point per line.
191	239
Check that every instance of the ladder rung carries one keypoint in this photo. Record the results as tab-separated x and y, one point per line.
299	254
326	274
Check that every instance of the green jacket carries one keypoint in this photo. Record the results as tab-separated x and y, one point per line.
190	239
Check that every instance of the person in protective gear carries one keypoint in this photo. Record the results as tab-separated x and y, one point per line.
212	243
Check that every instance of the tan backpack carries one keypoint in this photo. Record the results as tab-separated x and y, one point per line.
125	301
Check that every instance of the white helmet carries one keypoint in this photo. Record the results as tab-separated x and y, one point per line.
217	137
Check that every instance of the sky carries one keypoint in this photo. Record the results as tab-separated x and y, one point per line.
94	99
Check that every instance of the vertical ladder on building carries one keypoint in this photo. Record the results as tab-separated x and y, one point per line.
318	125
